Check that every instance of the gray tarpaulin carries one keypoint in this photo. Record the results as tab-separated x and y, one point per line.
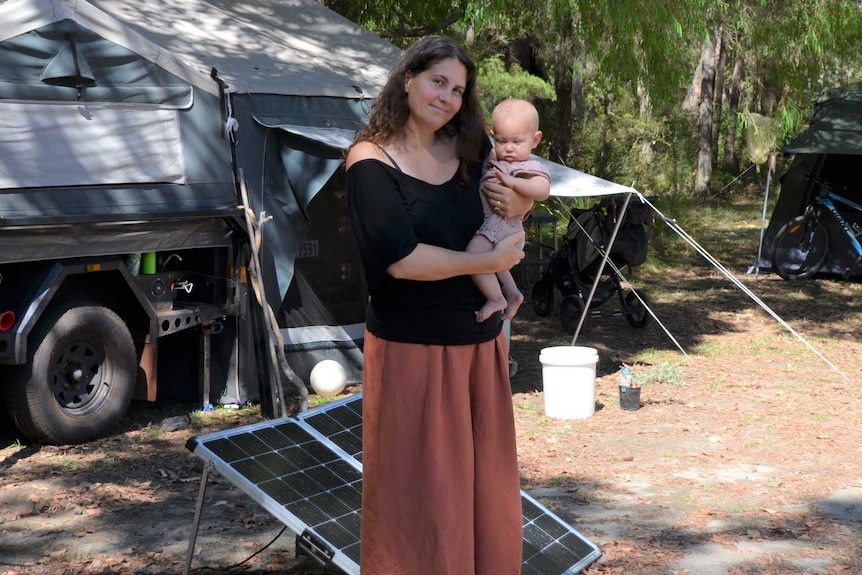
311	135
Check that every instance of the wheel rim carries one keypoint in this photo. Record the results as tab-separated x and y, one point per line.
80	378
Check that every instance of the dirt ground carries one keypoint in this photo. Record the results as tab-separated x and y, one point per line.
743	458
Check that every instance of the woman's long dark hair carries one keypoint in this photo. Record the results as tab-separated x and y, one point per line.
390	111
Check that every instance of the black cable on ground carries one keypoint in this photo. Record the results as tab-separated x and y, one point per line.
247	559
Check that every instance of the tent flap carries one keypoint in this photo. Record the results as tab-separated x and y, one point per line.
332	122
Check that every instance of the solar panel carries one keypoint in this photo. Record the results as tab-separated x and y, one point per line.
306	471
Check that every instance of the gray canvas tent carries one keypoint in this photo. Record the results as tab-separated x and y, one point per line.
132	104
829	149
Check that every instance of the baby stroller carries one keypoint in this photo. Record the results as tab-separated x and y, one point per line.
573	268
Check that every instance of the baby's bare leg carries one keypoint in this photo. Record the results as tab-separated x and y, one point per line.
514	297
488	284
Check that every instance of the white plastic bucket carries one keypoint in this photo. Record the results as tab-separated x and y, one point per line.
569	381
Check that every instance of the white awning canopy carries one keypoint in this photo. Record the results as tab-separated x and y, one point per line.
570	183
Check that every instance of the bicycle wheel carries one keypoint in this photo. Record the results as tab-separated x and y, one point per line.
635	309
570	313
543	296
800	247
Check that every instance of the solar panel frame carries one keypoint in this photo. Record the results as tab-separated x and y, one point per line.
294	498
306	471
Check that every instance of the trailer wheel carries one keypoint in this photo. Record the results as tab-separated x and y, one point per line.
80	379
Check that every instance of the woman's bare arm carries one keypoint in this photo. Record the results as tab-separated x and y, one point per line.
429	263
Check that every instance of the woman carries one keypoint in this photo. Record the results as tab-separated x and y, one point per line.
441	489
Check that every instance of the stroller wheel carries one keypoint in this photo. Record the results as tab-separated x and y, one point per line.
570	313
543	297
636	311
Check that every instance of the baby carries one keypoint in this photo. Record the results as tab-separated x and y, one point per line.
515	128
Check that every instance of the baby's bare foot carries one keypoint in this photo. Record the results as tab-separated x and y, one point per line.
491	307
513	302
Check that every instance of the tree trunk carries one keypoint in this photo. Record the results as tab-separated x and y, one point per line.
707	89
721	63
563	110
579	97
731	153
645	109
564	86
570	109
692	97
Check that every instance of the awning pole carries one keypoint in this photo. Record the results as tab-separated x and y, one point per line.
770	168
605	257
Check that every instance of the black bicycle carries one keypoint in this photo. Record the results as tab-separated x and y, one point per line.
802	244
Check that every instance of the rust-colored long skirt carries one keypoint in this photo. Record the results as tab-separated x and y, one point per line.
440	487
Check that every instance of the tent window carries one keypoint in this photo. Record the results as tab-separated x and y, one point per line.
48	145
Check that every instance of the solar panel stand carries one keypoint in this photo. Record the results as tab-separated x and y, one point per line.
307	543
197	521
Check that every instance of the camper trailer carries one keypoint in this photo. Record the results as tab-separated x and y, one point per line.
142	143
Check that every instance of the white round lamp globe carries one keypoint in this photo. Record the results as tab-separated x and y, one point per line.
328	378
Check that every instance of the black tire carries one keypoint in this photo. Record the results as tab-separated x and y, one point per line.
543	296
636	310
570	313
800	247
79	378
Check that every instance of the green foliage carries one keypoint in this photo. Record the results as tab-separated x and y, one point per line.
646	41
16	444
660	373
793	48
403	21
664	245
497	83
617	143
791	118
727	227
